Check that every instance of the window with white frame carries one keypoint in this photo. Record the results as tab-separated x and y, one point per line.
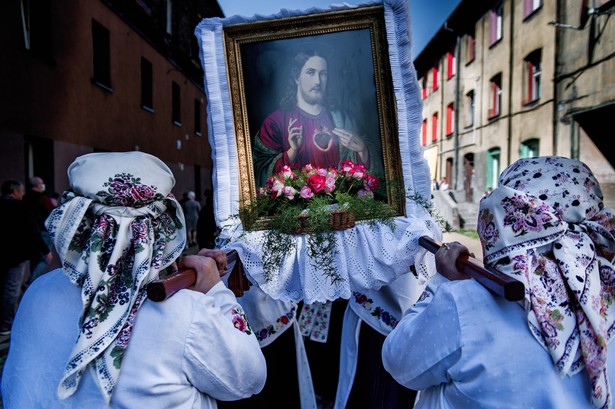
169	17
530	6
470	47
101	55
496	95
493	168
450	119
147	84
533	74
529	148
176	103
451	66
470	108
496	16
197	116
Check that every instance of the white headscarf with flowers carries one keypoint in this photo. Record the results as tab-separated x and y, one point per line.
114	231
545	225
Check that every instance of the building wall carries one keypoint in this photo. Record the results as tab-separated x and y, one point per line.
585	84
533	119
571	86
52	111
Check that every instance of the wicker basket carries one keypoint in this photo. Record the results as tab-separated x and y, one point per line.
338	220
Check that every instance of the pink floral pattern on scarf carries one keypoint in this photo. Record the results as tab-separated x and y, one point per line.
114	234
545	225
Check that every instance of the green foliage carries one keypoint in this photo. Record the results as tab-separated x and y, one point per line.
444	225
302	203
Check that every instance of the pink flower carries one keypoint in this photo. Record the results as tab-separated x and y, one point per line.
365	193
330	184
359	172
277	188
321	171
371	183
308	169
262	191
316	183
347	167
306	193
287	172
240	323
289	192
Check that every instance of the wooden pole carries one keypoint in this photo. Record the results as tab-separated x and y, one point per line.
496	281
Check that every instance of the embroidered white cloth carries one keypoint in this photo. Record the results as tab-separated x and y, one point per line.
188	362
114	232
369	257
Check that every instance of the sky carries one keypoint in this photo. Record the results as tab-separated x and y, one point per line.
426	16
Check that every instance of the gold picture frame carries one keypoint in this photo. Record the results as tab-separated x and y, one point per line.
355	42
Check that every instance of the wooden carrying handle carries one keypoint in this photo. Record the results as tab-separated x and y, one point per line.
496	281
163	288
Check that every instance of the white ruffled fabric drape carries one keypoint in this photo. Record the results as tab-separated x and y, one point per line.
369	257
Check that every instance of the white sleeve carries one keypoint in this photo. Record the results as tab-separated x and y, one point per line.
223	357
426	343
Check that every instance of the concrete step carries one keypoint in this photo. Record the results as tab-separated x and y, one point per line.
468	213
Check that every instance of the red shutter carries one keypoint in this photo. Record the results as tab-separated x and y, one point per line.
493	22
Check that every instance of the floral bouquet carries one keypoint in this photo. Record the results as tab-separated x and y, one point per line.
311	181
317	201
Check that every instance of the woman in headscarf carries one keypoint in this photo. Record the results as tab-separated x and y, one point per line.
464	347
87	336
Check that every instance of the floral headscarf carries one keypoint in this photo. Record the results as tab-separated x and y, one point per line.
115	230
545	225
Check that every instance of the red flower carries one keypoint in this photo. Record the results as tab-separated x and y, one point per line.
371	183
317	183
347	168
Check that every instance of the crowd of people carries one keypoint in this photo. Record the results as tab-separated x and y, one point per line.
27	248
85	334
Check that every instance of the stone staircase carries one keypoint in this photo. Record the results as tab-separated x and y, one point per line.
459	215
468	212
463	215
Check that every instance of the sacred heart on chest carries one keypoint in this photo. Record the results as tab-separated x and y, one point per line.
323	140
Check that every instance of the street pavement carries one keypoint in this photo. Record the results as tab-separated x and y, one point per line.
473	244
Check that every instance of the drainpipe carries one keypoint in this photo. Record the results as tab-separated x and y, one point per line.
510	80
456	107
556	102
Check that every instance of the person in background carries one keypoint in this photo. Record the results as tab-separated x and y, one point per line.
40	204
87	336
191	211
206	229
20	240
463	347
443	184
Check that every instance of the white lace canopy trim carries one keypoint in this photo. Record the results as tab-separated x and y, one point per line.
369	257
